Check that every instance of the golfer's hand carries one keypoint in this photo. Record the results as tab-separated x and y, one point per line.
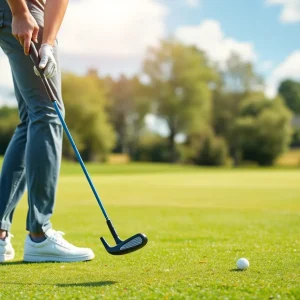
25	29
48	62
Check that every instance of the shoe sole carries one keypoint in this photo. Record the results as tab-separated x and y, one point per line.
50	258
6	257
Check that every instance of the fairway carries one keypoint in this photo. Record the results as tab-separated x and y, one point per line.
199	222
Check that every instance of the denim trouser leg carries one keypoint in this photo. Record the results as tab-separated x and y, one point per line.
12	180
34	153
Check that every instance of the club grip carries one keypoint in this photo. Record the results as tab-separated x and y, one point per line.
33	53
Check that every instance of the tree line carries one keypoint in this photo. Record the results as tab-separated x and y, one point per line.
210	113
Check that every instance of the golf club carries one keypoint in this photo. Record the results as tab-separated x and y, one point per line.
131	244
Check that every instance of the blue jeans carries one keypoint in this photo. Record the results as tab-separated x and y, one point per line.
33	156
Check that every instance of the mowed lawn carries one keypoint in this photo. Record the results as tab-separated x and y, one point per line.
199	222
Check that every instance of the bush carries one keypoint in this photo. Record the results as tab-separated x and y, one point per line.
295	138
206	149
88	119
263	129
212	153
152	148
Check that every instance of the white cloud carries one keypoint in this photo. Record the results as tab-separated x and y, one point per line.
288	69
193	3
209	37
266	65
290	11
111	36
116	27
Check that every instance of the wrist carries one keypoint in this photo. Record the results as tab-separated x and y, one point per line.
46	45
48	41
21	10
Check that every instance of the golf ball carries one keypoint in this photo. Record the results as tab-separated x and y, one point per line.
242	264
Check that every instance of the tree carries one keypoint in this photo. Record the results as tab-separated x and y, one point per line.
179	84
238	80
239	76
152	147
128	106
290	92
263	129
205	149
86	116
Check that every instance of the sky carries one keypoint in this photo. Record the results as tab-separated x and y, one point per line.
113	36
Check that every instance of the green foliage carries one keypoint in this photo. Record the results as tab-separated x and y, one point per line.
263	129
86	116
152	148
209	107
290	92
179	84
296	138
9	120
128	99
238	81
206	149
225	111
213	152
239	76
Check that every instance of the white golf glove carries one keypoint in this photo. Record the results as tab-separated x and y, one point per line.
48	62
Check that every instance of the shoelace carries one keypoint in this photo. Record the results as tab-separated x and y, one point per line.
58	238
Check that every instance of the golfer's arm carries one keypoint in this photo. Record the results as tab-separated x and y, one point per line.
54	14
18	7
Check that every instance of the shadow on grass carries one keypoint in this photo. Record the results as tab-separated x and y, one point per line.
12	263
82	284
236	270
98	283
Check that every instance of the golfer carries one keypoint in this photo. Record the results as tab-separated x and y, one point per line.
33	156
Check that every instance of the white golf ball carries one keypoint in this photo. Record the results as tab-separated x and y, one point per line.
242	264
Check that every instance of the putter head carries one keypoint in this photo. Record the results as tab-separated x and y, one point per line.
130	245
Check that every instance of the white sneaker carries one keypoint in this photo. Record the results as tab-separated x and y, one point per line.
7	251
55	248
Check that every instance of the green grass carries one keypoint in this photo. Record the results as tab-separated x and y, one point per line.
198	221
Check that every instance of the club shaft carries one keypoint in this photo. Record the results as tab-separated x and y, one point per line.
35	59
85	171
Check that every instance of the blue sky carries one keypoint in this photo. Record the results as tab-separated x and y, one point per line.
252	21
244	20
112	36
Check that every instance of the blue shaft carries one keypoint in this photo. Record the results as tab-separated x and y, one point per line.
79	158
